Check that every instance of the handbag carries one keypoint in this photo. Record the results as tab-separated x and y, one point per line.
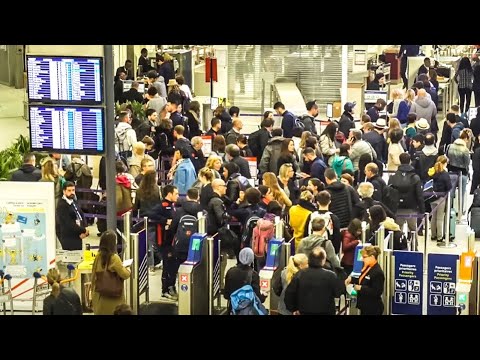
108	283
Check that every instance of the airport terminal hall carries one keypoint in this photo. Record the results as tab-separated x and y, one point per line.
239	180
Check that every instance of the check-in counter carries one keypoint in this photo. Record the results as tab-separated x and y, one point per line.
355	89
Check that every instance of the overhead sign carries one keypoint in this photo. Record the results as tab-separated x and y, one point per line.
442	279
407	299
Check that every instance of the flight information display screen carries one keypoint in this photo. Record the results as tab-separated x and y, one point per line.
67	129
65	80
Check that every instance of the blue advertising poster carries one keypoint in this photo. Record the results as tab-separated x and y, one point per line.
273	254
442	279
407	298
195	249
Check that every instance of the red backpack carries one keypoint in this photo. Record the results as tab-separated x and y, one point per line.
262	233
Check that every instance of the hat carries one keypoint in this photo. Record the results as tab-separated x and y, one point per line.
311	104
172	82
152	74
381	124
422	124
349	106
246	256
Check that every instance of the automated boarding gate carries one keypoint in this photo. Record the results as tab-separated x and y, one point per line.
193	279
277	255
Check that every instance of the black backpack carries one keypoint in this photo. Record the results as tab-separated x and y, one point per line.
390	198
250	224
254	143
404	184
187	226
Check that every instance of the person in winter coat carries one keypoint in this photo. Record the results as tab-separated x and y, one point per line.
185	174
370	284
271	154
313	290
351	238
300	215
346	120
28	171
319	238
379	218
365	191
295	264
239	275
327	142
62	300
342	161
107	258
424	107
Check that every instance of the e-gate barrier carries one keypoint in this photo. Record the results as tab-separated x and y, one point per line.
200	276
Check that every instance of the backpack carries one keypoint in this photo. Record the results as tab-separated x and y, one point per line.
186	132
298	125
243	182
328	222
123	154
187	226
244	301
339	165
404	185
250	225
263	232
390	198
254	143
123	199
476	198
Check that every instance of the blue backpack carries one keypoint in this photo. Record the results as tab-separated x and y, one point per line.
244	301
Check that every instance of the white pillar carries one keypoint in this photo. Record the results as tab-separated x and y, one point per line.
343	89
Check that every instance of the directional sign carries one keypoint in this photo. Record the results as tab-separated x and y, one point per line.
442	279
407	298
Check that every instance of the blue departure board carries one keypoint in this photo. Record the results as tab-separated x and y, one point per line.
65	80
67	129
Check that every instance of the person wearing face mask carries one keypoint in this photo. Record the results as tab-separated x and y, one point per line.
369	286
70	221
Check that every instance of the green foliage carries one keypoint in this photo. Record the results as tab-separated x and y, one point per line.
12	158
137	108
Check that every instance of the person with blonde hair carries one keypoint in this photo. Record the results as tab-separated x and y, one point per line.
280	284
214	163
369	286
138	154
50	173
300	215
397	97
270	180
286	176
62	300
405	106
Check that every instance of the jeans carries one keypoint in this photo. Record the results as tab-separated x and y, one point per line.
438	218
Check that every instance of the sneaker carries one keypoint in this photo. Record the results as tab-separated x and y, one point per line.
173	293
168	296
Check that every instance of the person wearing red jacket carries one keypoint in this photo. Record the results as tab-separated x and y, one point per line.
350	240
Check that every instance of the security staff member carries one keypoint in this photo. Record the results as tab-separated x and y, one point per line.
163	215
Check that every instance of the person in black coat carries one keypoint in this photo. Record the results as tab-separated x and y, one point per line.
132	94
28	171
233	155
365	190
62	300
476	166
242	274
313	290
369	286
70	221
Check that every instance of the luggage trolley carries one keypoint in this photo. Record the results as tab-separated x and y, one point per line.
6	292
43	289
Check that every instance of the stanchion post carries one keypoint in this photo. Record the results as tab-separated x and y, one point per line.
380	235
388	270
147	291
413	237
202	223
127	243
210	268
364	232
134	273
471	240
278	228
460	198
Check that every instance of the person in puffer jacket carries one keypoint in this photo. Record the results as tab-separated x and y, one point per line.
271	154
379	218
185	174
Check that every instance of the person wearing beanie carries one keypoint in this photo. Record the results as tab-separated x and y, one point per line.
239	276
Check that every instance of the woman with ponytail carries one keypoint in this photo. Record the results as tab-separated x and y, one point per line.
369	286
62	300
442	184
295	264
